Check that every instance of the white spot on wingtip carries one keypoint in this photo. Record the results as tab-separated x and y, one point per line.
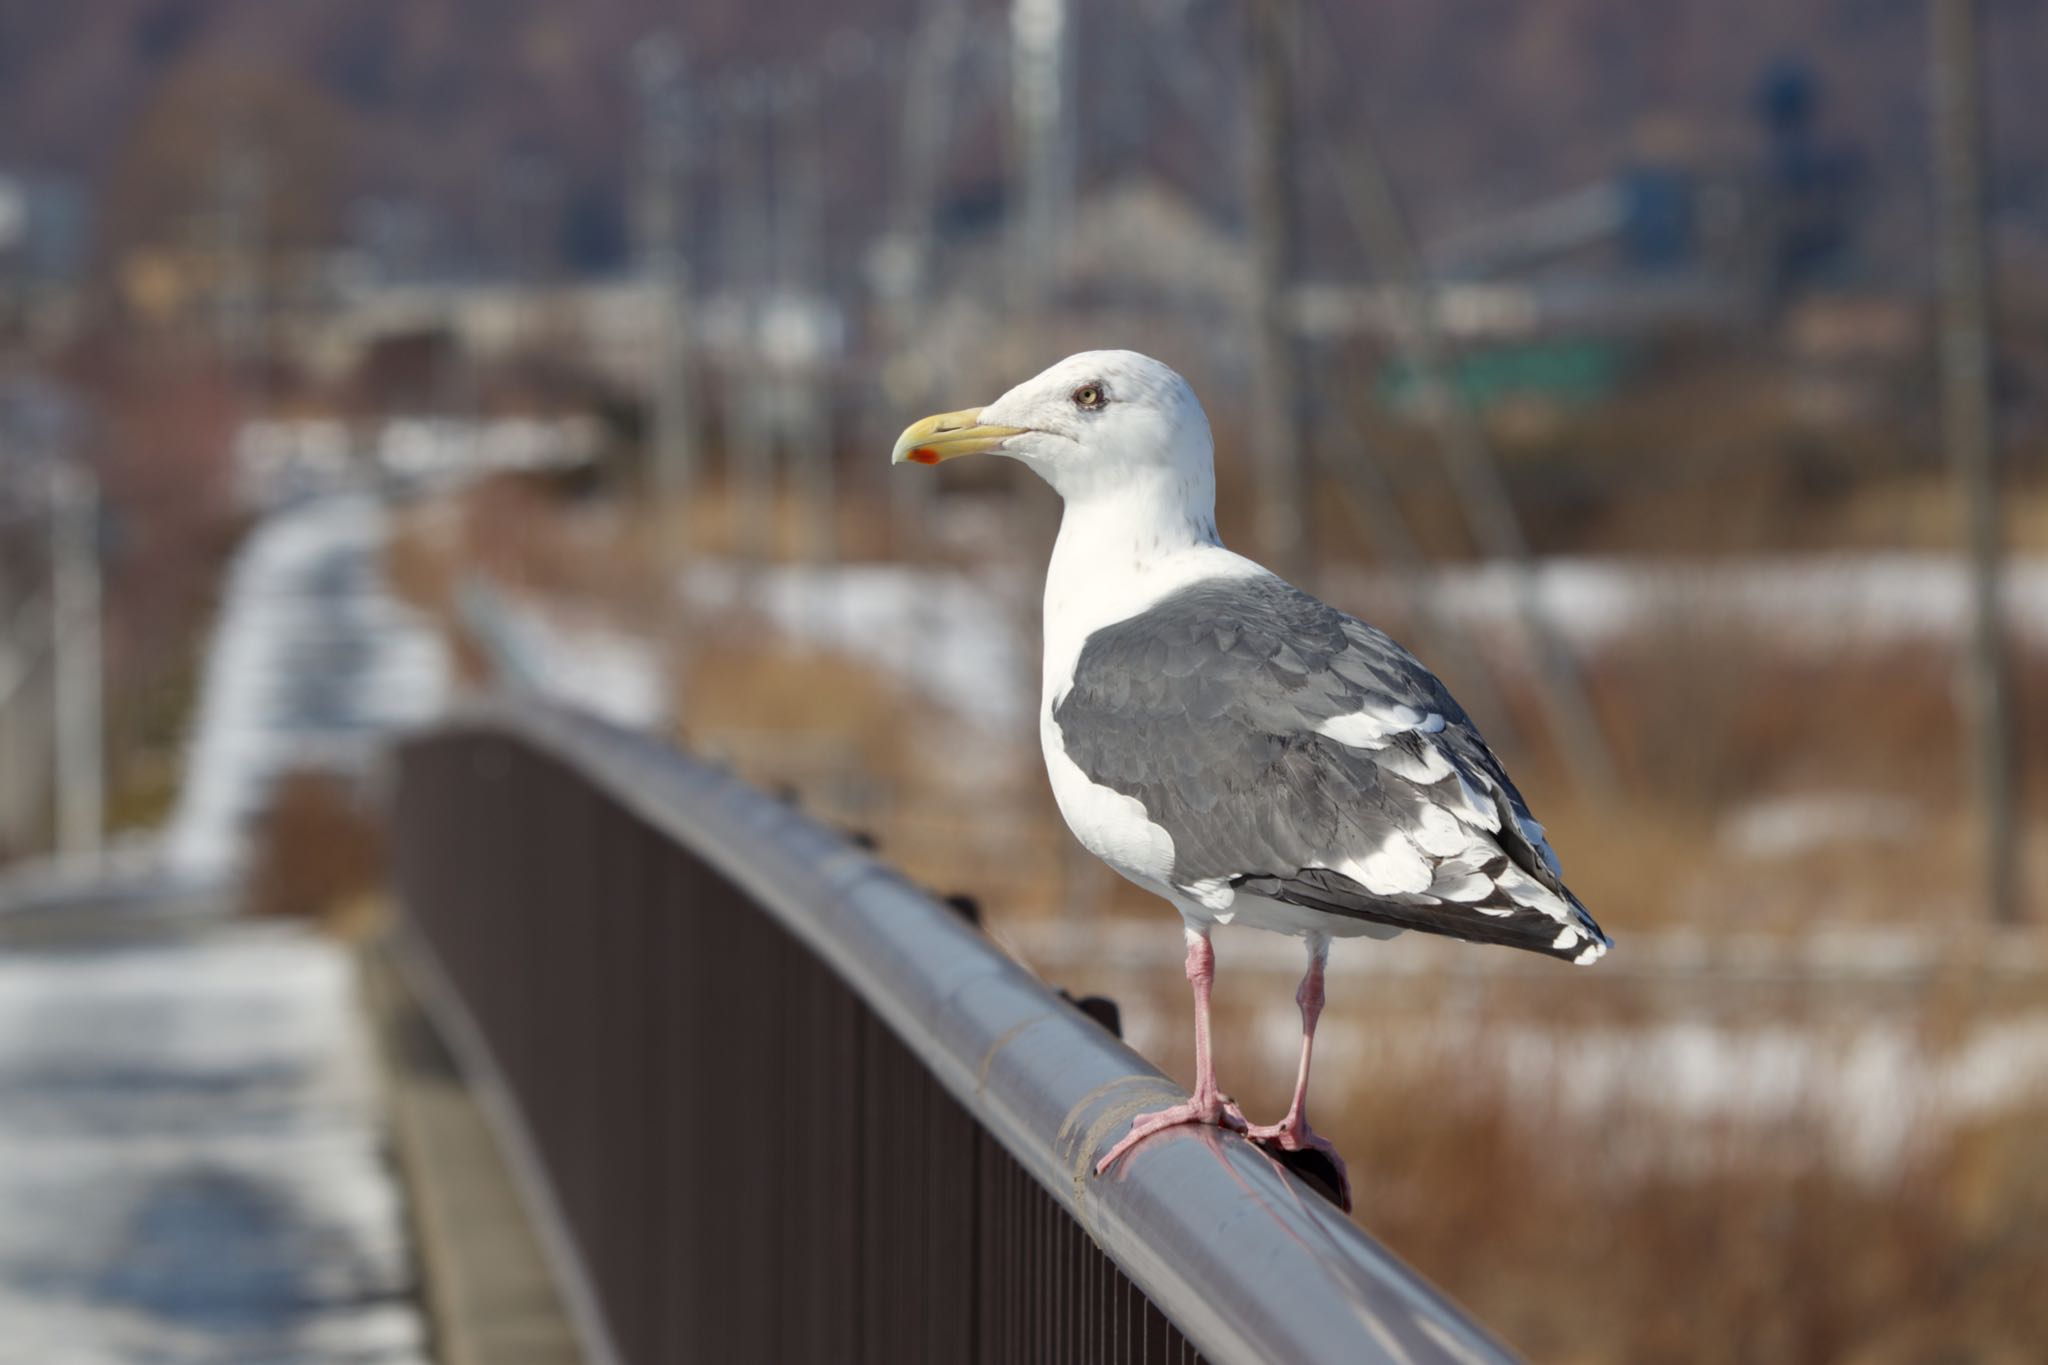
1566	937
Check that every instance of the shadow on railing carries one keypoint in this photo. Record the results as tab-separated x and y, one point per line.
771	1102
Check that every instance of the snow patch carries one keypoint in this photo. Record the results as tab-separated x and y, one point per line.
945	634
1787	826
582	663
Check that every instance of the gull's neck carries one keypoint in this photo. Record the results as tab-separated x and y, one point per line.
1119	551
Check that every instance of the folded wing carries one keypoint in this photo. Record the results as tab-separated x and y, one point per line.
1294	753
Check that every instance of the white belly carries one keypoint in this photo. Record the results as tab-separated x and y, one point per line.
1112	826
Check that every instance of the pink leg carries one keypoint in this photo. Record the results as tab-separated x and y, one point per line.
1208	1104
1292	1133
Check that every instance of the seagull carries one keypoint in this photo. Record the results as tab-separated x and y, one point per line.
1223	739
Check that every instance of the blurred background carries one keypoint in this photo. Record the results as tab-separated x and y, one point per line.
1668	376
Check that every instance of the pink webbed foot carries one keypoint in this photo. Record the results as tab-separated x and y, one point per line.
1292	1136
1219	1112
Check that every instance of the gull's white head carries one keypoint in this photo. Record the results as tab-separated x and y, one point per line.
1098	424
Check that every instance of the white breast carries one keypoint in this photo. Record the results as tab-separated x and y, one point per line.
1089	586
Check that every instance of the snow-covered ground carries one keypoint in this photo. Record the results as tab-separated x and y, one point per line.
576	661
191	1168
1815	601
1870	1093
956	638
312	663
967	639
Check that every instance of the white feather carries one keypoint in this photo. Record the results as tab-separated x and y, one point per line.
1394	867
1440	833
1430	768
1370	729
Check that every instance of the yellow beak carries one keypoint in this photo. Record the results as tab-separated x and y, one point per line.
948	435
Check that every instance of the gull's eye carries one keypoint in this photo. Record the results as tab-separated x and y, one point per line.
1088	397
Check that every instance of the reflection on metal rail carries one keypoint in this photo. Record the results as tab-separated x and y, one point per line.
780	1104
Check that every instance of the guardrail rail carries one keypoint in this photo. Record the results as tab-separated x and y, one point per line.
772	1102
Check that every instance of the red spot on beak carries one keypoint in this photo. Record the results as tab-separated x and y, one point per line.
923	455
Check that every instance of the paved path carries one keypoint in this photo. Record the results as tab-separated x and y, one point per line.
192	1166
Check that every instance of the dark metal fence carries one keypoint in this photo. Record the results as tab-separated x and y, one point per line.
773	1103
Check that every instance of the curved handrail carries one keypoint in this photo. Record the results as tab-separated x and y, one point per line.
1247	1260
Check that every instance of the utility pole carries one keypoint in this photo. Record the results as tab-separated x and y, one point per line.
1041	93
1367	194
659	71
1968	425
747	144
1284	528
75	639
928	115
929	102
807	406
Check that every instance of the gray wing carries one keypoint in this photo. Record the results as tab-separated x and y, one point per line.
1295	753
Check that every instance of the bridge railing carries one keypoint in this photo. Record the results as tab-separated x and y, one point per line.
772	1102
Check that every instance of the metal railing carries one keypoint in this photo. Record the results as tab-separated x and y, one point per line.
775	1103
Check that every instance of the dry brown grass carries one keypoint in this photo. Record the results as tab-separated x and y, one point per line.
955	807
1709	720
319	852
1614	1225
1769	1254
